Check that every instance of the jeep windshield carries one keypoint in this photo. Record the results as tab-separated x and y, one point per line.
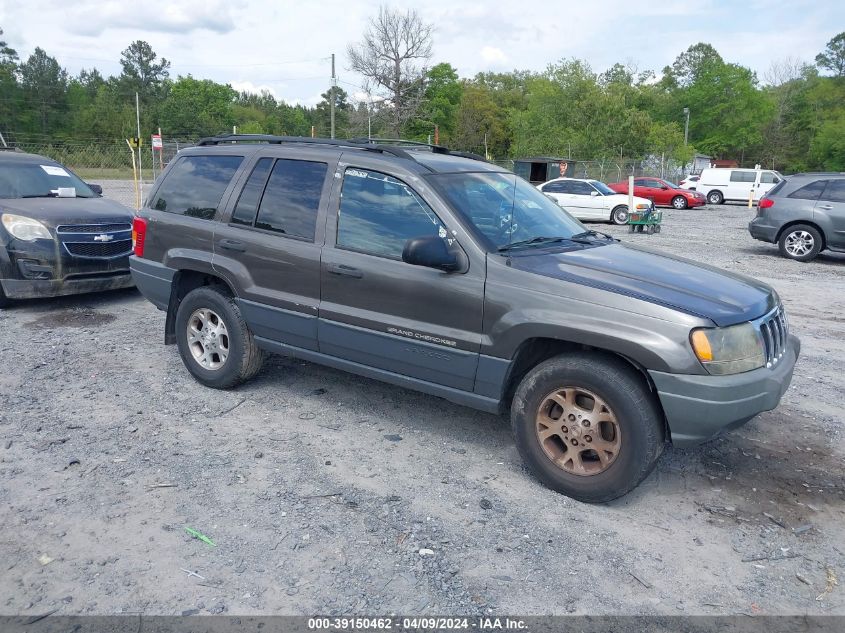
34	180
508	211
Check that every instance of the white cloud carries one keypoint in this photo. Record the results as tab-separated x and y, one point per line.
493	55
248	86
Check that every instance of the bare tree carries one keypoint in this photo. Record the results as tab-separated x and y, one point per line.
392	57
782	71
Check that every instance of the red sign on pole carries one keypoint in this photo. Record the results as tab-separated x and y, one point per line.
157	142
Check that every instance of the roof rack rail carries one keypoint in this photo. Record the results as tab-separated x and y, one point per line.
6	148
278	140
436	149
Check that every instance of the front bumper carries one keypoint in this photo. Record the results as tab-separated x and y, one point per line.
35	288
699	407
47	267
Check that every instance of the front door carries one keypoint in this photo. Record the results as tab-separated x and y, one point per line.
381	312
831	205
268	246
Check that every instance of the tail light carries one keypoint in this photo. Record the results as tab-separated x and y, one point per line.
139	234
765	203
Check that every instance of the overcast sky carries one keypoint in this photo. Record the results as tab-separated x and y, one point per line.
284	46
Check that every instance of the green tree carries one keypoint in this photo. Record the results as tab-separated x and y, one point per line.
480	124
10	92
143	72
198	107
833	56
323	114
440	104
44	84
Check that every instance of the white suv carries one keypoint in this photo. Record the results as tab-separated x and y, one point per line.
592	200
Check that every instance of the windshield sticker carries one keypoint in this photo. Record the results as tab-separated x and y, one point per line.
442	232
55	170
356	173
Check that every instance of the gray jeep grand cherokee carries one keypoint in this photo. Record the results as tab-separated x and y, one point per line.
457	278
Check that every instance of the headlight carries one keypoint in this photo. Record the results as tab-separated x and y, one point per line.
728	350
24	228
643	206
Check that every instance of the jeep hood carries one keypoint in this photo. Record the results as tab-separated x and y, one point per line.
698	289
55	211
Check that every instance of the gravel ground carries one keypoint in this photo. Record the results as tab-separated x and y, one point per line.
325	492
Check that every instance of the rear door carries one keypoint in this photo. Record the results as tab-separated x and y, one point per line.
381	312
181	210
268	246
830	212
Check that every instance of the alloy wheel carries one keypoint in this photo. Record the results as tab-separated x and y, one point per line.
578	431
799	243
208	339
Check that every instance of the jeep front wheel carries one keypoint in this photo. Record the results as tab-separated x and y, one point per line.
587	426
214	341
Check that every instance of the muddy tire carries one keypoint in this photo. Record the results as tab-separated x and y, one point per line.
587	426
214	341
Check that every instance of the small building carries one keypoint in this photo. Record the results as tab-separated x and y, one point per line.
539	169
699	162
724	163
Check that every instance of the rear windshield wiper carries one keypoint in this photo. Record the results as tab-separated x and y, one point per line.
533	240
49	194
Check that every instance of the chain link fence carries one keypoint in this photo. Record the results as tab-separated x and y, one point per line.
618	169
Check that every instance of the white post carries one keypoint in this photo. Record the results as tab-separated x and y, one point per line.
630	195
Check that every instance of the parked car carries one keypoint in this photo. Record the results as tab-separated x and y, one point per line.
690	182
457	278
58	235
588	199
804	215
662	192
735	185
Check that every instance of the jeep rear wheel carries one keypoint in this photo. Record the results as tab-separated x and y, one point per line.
214	341
587	426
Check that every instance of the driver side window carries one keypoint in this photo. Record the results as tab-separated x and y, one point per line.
379	213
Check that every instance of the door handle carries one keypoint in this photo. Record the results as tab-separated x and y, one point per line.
231	245
344	270
826	206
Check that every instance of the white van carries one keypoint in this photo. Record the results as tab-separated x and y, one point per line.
723	184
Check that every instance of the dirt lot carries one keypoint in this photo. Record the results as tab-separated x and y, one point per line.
320	489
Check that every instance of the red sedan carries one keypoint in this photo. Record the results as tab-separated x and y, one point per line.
662	192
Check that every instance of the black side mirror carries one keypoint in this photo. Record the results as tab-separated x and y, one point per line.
98	189
664	187
431	252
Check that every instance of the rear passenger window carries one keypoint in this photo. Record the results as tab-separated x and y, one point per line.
195	185
247	205
553	187
379	213
743	176
809	192
835	191
291	198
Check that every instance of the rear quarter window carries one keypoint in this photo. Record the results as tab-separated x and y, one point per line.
811	191
195	185
835	191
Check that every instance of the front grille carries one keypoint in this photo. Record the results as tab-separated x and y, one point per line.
99	249
93	228
774	329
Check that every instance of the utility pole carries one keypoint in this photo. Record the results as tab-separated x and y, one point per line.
138	124
334	83
686	127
